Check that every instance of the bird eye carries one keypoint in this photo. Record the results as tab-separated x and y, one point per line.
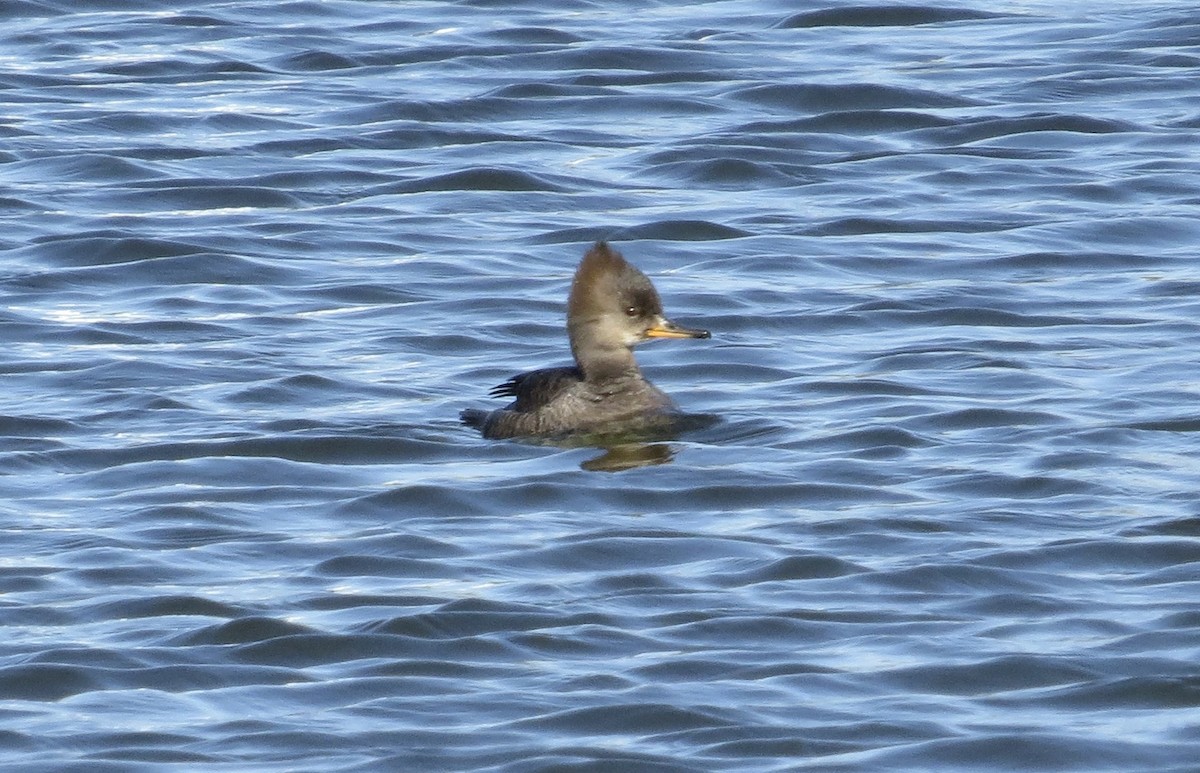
631	311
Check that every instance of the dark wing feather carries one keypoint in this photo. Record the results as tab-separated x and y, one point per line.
537	387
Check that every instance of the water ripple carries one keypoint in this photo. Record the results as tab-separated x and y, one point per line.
934	505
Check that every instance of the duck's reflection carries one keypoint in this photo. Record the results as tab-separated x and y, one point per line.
627	456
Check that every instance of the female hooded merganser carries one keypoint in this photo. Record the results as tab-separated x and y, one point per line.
612	307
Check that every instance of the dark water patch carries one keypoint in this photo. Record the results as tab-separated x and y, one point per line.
83	167
25	204
547	90
1031	750
242	630
384	566
33	615
1128	555
99	248
624	719
533	35
624	57
852	122
984	418
574	6
1014	605
808	567
879	442
191	535
493	109
679	230
34	426
363	293
307	650
1082	260
990	317
481	179
1188	526
123	570
725	173
982	128
1071	624
16	742
633	582
733	372
1181	424
160	152
222	122
46	682
961	579
1058	88
173	605
654	77
210	196
936	359
734	430
291	389
21	9
683	669
417	134
195	19
781	151
161	331
164	755
1180	61
791	747
79	336
180	71
315	61
170	678
1131	693
470	618
307	145
387	548
824	98
860	226
990	677
1146	232
441	53
428	668
126	124
768	633
994	484
868	386
405	500
73	764
589	641
25	579
883	16
586	759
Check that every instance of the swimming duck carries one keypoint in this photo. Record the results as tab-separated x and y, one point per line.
612	307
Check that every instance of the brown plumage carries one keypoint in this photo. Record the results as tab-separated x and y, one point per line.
612	307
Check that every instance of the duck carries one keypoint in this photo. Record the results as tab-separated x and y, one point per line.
612	307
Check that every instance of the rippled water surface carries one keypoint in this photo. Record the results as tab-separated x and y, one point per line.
256	257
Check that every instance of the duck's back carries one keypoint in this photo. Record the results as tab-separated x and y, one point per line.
559	401
537	388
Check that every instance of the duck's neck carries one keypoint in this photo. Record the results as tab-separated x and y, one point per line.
601	360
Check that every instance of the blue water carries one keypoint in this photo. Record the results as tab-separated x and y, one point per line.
256	256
